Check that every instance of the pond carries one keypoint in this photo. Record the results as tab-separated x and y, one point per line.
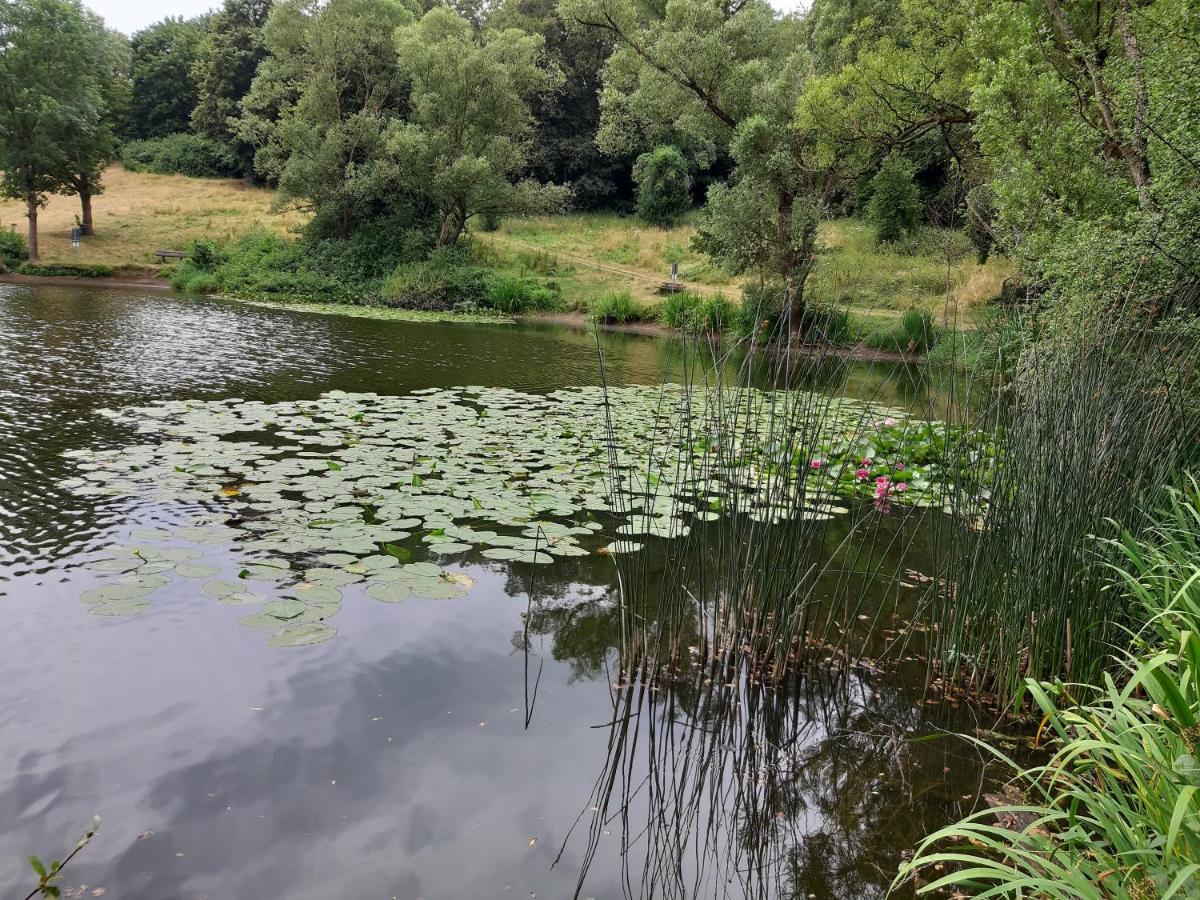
471	741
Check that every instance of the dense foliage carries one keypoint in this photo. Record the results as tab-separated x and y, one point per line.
1061	133
181	154
663	186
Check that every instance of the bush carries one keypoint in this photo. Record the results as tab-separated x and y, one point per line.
617	308
691	312
663	186
13	248
680	310
513	294
182	154
372	251
69	271
915	333
446	281
895	207
762	313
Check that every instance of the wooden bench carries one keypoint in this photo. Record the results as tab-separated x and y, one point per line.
164	255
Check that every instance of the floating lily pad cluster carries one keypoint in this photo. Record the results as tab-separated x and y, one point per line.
315	496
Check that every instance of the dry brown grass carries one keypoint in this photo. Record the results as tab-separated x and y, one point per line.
139	213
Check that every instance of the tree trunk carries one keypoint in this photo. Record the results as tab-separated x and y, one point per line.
1138	157
31	210
85	201
451	229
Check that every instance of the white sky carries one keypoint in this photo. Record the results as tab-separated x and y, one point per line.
130	15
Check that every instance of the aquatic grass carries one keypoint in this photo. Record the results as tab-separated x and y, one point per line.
780	578
1089	426
1115	812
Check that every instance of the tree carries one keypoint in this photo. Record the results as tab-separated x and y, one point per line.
227	59
466	137
727	77
319	108
93	149
566	119
663	186
1086	117
48	97
895	207
162	93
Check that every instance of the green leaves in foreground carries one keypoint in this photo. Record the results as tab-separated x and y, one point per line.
1115	813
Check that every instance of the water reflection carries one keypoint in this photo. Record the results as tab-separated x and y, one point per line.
398	761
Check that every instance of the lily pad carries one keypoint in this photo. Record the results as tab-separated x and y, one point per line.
302	635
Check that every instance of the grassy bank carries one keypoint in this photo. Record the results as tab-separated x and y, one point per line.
139	213
592	254
604	264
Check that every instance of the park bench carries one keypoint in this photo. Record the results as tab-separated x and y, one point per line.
164	255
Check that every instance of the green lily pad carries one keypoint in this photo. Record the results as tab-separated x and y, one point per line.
284	609
302	635
389	591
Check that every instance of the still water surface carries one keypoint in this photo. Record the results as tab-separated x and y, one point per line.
408	758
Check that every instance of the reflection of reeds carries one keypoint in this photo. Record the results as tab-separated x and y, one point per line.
715	787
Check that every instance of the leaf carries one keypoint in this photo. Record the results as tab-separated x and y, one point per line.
302	635
284	609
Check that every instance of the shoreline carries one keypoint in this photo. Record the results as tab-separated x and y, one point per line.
574	319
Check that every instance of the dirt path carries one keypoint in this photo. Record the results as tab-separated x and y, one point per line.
650	282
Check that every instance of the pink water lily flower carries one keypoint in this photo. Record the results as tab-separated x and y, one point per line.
866	460
881	487
815	464
862	474
900	467
901	486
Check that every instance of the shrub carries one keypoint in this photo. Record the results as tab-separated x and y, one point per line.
182	154
447	280
915	333
372	251
617	308
513	294
895	207
680	310
663	186
718	313
762	312
13	248
69	271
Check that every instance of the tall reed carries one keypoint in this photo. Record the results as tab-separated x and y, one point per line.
1088	427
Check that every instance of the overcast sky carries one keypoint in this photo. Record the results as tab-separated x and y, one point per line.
130	15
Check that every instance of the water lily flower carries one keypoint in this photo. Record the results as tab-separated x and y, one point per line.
815	464
866	460
900	466
901	486
889	421
862	474
881	487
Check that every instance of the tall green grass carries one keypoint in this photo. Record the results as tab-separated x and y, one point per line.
1115	812
1090	425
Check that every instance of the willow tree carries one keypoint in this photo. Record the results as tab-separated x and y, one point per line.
321	104
466	136
724	78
